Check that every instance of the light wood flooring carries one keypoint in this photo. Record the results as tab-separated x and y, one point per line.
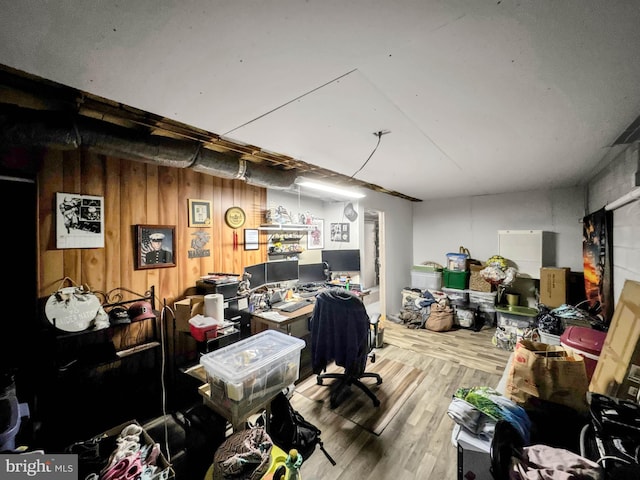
417	442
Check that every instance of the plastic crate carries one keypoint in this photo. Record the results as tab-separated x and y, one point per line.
426	268
457	297
549	338
519	317
454	279
457	261
426	280
486	300
587	342
248	372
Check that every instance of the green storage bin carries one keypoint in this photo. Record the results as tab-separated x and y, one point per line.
453	279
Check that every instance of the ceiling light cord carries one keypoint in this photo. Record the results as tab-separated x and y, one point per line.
379	135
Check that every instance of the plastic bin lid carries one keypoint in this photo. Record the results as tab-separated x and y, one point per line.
517	310
241	358
583	339
427	268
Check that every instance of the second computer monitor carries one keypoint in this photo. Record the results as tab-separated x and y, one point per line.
311	273
258	275
282	271
342	260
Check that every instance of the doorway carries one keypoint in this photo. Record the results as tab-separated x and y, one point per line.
373	254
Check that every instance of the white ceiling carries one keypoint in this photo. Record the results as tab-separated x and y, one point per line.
479	96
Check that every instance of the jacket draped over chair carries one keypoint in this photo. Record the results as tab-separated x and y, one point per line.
339	331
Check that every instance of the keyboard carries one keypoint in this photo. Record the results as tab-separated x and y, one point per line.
311	287
308	294
292	307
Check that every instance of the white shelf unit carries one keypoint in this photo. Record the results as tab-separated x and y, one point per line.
289	235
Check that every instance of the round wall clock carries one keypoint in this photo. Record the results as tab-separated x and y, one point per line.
235	217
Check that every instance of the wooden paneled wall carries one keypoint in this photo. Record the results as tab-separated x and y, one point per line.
139	193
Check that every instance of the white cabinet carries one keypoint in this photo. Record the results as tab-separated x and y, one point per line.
528	249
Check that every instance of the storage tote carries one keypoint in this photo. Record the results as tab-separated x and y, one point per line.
425	280
248	372
455	279
457	261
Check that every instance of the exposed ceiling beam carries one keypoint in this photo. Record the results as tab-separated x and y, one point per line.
29	91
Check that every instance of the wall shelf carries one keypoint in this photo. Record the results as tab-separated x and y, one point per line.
292	253
274	227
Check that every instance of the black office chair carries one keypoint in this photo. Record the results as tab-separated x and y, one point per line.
342	331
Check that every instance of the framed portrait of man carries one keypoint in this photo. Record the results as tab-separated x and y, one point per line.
156	246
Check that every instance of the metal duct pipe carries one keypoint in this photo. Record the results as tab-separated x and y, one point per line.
30	128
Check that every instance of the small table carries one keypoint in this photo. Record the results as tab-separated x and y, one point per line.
236	418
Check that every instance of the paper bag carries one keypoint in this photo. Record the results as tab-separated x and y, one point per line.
550	372
440	318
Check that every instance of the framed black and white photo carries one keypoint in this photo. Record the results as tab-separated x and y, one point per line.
79	221
156	246
199	213
251	239
339	232
315	235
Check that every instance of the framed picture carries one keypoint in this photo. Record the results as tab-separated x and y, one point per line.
79	221
339	232
315	235
156	246
251	239
199	213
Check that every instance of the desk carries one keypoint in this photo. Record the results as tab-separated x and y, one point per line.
296	325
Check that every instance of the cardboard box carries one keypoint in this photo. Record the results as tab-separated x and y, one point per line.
186	309
617	373
145	439
553	286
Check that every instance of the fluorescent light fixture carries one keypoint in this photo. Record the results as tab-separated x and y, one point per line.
632	196
328	188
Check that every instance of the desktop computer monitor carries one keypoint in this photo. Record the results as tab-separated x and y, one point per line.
311	273
258	275
342	260
282	271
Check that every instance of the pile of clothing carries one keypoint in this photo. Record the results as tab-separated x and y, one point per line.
478	409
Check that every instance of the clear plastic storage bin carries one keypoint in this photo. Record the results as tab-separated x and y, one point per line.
513	316
249	372
426	280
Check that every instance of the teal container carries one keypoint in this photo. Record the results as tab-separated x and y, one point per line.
454	279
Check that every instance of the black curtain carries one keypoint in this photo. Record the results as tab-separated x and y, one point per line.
597	255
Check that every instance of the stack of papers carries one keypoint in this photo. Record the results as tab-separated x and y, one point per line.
275	316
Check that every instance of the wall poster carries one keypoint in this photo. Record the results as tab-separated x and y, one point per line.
596	256
79	221
315	235
340	232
